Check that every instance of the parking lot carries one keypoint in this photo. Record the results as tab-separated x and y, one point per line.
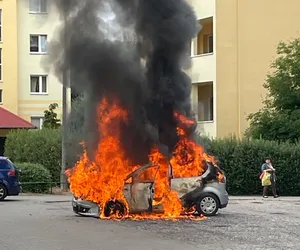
47	222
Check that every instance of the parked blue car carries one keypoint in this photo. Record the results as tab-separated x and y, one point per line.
9	179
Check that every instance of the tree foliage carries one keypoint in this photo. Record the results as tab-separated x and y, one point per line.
279	119
50	117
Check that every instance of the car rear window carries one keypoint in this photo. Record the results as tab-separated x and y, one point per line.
6	164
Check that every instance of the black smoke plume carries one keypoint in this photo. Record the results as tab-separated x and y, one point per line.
103	43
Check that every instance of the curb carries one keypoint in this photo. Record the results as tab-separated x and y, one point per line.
258	198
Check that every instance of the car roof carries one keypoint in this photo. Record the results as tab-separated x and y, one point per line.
3	158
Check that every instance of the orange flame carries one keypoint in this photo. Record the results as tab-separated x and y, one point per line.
102	179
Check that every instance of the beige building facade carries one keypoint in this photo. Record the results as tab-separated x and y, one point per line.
38	21
231	57
8	55
26	88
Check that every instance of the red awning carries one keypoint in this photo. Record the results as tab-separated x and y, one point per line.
9	120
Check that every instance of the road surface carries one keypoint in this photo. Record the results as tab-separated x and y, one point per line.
48	223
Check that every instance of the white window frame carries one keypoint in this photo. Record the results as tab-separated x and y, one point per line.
1	19
41	117
40	85
1	96
39	11
39	44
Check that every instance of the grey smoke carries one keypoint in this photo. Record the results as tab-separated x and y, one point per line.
106	40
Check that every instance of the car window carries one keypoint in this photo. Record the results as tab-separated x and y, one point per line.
12	166
4	164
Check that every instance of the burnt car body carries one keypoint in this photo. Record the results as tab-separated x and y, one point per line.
204	192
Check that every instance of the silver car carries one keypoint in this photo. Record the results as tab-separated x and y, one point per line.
205	192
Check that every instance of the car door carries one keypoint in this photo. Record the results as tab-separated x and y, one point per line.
139	191
183	185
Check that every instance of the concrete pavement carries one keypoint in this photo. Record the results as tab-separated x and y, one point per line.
47	222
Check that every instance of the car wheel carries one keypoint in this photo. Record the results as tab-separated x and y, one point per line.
3	192
114	208
208	204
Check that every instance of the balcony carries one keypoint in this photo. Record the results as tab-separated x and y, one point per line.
207	129
203	107
203	43
202	52
203	69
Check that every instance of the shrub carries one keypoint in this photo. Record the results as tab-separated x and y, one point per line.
37	146
31	173
242	161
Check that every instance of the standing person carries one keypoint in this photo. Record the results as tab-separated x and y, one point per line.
267	167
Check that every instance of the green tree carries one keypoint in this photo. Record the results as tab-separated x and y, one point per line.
279	119
50	117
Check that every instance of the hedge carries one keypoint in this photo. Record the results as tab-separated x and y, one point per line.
31	173
242	161
36	146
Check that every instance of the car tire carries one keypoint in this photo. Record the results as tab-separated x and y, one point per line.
3	192
114	208
208	204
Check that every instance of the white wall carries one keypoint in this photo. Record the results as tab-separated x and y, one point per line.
204	8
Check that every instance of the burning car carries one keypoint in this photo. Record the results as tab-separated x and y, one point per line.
206	193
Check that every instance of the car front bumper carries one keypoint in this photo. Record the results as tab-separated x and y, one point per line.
85	208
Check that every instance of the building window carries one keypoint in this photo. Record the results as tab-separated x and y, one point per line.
0	25
37	121
38	84
1	98
37	6
0	64
38	43
205	102
204	42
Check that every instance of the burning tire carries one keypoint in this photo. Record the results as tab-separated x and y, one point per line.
208	204
114	208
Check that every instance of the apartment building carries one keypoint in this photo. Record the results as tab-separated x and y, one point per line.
231	57
26	88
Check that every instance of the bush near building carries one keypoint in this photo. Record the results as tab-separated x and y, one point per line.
38	146
242	160
35	178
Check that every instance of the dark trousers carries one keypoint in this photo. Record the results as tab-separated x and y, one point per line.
273	186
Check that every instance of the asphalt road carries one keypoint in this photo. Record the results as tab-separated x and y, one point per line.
47	222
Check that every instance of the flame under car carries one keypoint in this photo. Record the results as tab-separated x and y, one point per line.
206	193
